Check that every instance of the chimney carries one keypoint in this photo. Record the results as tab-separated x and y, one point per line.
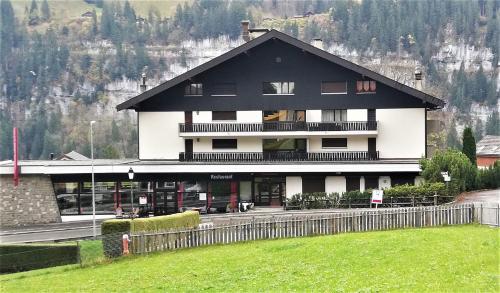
143	85
245	34
418	79
318	43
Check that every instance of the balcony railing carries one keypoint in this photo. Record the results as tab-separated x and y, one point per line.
279	126
285	156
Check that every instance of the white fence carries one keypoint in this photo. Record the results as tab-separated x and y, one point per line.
306	225
487	214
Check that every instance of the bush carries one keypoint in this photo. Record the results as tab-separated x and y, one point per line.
356	194
422	190
463	173
24	257
115	226
185	220
489	178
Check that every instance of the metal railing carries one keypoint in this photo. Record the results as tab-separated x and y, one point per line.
279	126
290	156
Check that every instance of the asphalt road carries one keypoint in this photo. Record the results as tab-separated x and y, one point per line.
487	196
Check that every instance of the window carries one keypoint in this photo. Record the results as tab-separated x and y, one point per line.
284	115
223	115
278	88
284	144
333	87
313	184
366	86
194	89
334	115
224	144
224	89
334	142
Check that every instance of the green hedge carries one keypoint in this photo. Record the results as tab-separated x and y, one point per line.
112	230
25	257
115	226
422	190
185	220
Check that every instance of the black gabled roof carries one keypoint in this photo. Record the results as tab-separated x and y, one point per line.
131	103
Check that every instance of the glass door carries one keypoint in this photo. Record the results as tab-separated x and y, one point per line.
269	194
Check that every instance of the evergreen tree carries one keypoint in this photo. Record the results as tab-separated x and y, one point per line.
469	145
452	140
94	30
492	95
45	10
33	18
493	124
115	132
479	86
478	130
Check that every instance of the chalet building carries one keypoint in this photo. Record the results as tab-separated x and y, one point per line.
260	123
488	151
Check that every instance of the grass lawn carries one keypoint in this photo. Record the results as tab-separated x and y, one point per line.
460	258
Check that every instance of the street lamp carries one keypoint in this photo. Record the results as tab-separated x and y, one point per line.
131	177
93	187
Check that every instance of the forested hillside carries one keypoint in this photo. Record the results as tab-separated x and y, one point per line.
66	63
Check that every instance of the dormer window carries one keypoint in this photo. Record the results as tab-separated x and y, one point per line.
194	89
278	88
366	86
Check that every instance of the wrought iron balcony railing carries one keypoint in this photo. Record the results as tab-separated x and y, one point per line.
278	126
282	156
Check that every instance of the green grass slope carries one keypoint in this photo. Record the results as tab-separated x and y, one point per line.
455	259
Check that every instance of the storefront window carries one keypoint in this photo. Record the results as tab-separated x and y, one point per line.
67	197
104	197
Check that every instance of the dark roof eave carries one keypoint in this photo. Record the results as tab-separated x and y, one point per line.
434	103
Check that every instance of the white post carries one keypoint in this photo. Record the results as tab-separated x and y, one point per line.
93	183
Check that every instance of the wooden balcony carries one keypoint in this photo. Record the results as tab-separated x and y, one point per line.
284	156
282	126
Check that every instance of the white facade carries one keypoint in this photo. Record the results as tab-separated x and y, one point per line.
293	185
335	184
401	133
159	135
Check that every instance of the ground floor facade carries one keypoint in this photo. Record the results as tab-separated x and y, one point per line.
165	187
209	192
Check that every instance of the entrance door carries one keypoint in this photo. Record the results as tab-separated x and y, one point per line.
269	194
166	203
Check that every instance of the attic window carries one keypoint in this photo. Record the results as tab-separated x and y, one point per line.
194	89
278	88
333	87
366	86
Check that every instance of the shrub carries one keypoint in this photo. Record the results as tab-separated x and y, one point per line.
185	220
462	171
489	178
423	190
356	194
115	226
112	232
24	257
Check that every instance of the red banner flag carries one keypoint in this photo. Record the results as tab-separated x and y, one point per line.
16	167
